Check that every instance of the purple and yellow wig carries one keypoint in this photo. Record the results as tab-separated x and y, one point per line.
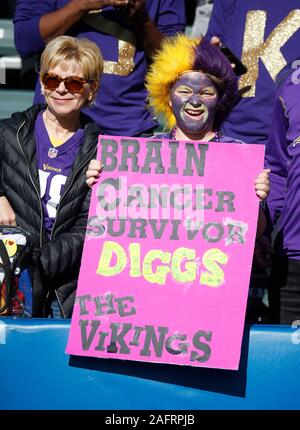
179	54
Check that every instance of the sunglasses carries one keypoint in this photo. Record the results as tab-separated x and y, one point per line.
73	84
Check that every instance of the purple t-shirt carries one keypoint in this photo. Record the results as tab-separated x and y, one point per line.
54	165
250	119
120	107
283	158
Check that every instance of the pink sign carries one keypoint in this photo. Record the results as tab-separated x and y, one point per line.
167	257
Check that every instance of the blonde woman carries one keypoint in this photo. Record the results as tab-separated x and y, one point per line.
44	154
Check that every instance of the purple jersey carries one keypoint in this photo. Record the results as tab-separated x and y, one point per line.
283	158
54	165
120	106
265	34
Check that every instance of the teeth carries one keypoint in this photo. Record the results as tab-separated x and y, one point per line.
194	112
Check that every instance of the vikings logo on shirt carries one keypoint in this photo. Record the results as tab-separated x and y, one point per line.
52	152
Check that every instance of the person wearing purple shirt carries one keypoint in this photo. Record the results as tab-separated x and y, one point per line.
54	165
192	85
265	35
44	154
127	32
283	158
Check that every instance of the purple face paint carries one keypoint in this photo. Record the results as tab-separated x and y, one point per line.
194	100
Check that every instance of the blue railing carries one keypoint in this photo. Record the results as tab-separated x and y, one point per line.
32	356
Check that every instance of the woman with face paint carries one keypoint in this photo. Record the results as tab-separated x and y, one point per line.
194	101
191	85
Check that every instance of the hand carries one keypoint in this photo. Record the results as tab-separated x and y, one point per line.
262	184
93	172
216	41
7	214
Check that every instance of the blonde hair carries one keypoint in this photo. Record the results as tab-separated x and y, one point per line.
176	55
75	52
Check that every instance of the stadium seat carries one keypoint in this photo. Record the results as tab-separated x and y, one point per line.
7	46
14	101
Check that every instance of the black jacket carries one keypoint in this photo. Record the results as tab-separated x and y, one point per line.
58	260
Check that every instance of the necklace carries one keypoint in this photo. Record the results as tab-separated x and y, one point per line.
55	139
60	131
216	137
